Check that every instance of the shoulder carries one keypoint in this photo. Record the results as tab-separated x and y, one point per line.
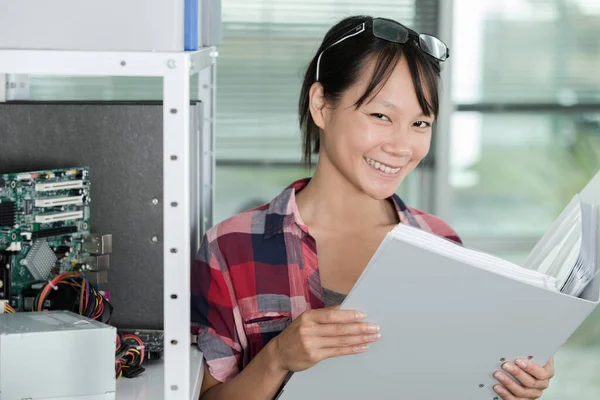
235	240
435	225
245	223
229	249
261	221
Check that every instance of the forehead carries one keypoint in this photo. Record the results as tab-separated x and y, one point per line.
399	88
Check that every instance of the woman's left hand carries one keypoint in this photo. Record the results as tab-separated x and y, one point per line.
534	379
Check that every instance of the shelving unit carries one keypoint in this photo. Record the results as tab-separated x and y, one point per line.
179	195
150	385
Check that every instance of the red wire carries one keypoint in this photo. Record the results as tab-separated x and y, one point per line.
139	341
53	283
100	310
58	280
87	296
81	299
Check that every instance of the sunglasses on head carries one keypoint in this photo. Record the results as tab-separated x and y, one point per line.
395	32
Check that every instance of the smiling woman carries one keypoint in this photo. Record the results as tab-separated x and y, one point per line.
267	282
378	129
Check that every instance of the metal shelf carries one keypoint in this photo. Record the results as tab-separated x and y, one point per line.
150	385
175	68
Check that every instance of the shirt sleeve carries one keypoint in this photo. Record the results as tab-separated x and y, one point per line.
212	315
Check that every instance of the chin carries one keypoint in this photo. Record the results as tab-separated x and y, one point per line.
379	190
379	194
379	185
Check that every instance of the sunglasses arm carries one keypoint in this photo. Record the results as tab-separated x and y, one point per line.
355	31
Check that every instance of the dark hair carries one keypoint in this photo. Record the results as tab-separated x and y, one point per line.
342	64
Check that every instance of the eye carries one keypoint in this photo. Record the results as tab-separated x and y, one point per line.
422	124
382	117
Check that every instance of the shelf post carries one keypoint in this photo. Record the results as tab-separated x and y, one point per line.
176	194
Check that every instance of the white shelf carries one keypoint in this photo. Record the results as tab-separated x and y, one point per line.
175	69
150	384
103	63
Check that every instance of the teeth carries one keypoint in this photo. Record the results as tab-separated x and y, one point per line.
381	167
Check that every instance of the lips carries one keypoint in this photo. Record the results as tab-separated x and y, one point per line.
382	167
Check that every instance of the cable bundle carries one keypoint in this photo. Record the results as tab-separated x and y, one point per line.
8	308
91	303
129	356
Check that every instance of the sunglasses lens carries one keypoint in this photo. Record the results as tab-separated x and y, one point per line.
433	46
389	30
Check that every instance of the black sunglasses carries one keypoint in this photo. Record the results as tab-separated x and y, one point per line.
394	31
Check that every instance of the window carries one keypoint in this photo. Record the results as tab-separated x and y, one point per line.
266	48
525	137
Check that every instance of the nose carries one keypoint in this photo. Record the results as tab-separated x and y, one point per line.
398	144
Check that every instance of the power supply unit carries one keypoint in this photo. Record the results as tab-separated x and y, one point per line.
56	355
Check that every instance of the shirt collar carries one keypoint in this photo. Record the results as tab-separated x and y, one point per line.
283	210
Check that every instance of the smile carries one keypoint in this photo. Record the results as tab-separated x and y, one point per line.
382	167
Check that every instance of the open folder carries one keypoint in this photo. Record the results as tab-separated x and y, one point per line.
450	316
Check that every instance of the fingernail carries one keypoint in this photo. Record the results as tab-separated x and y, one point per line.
373	328
522	363
498	389
373	338
360	315
499	375
508	367
361	349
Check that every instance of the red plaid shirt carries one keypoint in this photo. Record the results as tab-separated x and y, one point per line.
256	272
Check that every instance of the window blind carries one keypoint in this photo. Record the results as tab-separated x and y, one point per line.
267	46
527	51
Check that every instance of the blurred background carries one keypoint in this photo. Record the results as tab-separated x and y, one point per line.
518	136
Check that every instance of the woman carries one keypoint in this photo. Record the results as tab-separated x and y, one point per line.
263	304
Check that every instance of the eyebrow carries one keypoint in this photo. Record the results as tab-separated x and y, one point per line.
387	104
393	106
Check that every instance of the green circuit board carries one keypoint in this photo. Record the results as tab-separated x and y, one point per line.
44	218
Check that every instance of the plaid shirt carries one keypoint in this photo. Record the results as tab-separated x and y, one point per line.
256	272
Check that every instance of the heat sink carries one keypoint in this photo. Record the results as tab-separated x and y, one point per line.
40	260
7	214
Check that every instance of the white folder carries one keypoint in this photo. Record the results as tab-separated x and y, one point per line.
446	327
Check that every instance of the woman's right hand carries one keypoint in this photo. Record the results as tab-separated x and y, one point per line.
324	333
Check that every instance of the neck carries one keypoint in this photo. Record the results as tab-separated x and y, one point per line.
330	200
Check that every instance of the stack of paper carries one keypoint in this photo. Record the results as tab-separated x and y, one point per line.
474	258
568	250
563	260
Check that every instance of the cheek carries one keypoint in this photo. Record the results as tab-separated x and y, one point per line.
350	133
420	146
371	136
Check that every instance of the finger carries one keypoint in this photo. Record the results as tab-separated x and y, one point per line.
549	367
515	388
348	341
352	328
522	376
533	369
335	316
332	352
504	393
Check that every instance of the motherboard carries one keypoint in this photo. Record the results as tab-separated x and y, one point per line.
44	229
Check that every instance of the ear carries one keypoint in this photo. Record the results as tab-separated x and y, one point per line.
316	103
